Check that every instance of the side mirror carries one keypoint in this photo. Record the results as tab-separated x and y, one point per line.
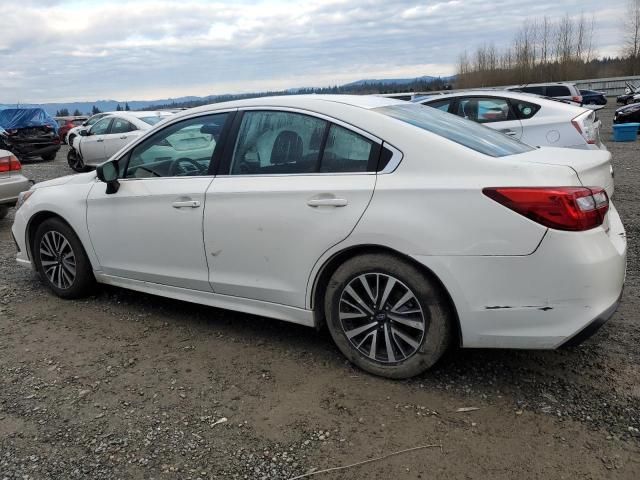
84	133
108	173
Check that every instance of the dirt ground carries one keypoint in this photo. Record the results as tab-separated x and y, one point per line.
125	385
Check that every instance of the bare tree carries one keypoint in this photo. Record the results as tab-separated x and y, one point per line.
632	35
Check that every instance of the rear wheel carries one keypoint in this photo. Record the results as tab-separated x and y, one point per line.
75	162
49	157
61	260
387	316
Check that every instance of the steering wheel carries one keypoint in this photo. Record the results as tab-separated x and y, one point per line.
176	168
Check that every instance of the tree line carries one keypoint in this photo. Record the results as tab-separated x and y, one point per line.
545	50
64	112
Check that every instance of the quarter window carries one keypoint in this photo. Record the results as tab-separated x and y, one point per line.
525	110
185	148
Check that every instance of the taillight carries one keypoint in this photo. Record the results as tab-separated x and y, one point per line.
9	164
562	208
586	126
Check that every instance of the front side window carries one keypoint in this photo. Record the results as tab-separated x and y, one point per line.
93	120
484	110
121	126
535	90
185	148
451	127
101	127
277	142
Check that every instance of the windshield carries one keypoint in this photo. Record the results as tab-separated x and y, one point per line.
464	132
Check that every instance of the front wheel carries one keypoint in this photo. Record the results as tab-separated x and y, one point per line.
61	260
387	316
75	162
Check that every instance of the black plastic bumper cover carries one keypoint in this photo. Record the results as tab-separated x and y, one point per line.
592	327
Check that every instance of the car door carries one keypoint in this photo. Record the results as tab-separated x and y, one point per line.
121	133
92	145
494	112
151	228
292	186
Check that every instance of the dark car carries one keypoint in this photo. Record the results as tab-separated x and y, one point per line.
625	99
29	133
627	114
591	97
67	123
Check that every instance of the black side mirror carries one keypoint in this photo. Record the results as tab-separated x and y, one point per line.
108	173
84	133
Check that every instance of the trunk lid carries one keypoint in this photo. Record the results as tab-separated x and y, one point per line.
593	167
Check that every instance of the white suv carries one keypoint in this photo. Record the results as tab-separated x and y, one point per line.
562	91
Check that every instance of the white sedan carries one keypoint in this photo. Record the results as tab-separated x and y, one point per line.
108	135
530	118
404	229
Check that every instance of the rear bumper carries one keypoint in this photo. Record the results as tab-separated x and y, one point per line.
561	292
11	186
588	331
33	149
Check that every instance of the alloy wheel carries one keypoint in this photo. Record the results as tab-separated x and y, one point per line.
382	317
57	259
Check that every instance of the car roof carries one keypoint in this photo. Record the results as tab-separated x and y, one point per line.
544	84
366	102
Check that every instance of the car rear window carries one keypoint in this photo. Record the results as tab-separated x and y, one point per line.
459	130
151	120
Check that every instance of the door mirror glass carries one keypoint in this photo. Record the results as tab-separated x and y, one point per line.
84	133
108	173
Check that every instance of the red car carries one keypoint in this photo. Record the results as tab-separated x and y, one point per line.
67	123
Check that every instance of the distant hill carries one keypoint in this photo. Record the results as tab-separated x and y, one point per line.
390	85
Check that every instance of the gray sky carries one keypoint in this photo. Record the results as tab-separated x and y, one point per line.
56	50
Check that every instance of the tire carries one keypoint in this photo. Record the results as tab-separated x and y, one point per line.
49	246
427	306
4	210
49	157
75	162
70	142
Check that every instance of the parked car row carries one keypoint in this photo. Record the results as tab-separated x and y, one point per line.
12	182
67	123
405	229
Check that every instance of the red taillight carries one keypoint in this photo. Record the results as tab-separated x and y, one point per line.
9	164
562	208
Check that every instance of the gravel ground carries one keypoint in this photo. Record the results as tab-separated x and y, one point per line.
128	385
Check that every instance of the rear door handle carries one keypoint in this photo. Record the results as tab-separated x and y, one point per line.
186	204
327	202
123	137
100	140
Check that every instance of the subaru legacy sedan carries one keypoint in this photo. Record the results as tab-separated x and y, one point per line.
405	230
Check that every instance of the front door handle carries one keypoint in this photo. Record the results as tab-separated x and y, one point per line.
123	137
511	133
186	204
100	140
327	202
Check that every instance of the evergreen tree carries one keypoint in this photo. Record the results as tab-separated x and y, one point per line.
95	110
126	106
118	108
77	113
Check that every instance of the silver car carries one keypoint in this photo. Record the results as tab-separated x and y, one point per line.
12	182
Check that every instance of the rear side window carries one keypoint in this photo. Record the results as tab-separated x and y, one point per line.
484	110
272	142
525	110
459	130
346	151
558	91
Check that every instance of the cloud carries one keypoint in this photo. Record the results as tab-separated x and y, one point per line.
76	50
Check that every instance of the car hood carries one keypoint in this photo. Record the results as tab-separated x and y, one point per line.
79	178
593	167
